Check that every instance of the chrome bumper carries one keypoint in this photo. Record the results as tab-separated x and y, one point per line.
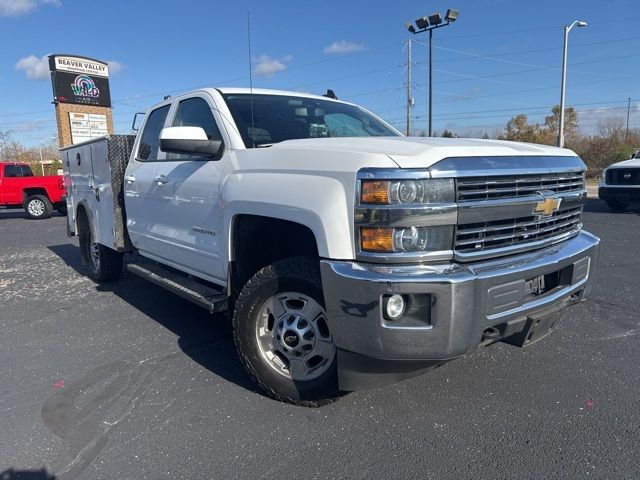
453	304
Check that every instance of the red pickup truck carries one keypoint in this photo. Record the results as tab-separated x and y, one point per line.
37	195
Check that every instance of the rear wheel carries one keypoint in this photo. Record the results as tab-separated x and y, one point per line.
282	333
105	264
38	207
616	205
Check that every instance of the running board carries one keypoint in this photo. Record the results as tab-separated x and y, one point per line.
206	297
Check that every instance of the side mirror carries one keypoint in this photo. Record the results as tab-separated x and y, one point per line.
189	141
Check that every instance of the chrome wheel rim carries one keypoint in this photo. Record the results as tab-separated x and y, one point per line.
293	336
36	207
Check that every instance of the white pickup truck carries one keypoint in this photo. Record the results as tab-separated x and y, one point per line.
346	254
620	183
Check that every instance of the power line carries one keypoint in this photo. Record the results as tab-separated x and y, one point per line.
537	29
537	50
516	109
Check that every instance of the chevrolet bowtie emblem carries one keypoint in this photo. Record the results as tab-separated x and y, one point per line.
547	207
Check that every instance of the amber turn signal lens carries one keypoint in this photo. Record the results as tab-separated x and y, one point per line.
376	239
375	191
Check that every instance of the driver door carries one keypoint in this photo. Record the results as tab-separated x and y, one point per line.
188	216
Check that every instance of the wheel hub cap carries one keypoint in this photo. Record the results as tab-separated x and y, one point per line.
36	207
291	339
293	336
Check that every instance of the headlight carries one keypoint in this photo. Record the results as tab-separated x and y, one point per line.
407	192
603	175
406	239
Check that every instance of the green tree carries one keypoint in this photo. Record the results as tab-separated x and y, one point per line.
447	134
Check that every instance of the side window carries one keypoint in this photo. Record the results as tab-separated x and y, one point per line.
195	112
150	140
12	171
26	171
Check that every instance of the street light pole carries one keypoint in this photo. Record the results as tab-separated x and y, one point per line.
40	149
41	161
567	29
430	83
429	24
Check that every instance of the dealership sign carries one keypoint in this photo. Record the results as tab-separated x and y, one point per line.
79	80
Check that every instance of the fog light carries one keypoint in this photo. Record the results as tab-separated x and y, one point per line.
395	306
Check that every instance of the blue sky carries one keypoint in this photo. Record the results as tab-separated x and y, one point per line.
501	57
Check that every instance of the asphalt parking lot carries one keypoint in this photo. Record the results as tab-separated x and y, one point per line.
128	381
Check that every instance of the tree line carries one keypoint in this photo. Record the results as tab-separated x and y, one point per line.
13	151
609	144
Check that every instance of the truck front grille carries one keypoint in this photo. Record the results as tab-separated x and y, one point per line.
481	237
623	176
494	187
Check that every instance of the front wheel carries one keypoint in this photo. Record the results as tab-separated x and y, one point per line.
282	333
616	205
38	207
105	264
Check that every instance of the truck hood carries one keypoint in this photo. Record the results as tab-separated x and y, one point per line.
631	163
420	152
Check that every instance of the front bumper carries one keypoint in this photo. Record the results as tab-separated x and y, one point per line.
621	193
454	307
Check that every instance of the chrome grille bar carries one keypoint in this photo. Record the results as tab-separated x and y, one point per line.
477	238
488	188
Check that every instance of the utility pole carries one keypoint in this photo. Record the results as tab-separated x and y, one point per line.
409	93
626	135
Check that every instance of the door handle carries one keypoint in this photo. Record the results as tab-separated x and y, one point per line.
130	179
161	179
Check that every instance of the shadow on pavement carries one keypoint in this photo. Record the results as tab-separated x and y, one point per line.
12	474
598	206
204	337
11	213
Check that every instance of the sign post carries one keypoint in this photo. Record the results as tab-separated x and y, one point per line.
82	98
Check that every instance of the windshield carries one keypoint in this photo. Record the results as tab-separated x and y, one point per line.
281	117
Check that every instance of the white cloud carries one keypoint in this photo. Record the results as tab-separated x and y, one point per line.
36	68
115	66
266	65
15	8
342	46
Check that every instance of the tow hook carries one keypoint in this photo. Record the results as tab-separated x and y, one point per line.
491	333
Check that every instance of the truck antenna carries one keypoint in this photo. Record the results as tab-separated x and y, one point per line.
253	128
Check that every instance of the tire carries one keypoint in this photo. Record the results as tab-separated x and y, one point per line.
616	205
38	207
105	264
273	334
61	208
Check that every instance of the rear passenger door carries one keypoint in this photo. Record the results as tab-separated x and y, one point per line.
186	198
139	187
